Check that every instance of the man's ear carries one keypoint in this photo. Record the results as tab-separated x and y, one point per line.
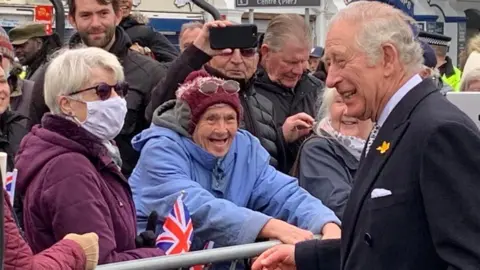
264	49
391	59
118	16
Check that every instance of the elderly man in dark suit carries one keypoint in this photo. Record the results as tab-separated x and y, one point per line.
415	202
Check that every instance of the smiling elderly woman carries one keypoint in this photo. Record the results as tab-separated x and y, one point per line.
329	159
233	195
68	170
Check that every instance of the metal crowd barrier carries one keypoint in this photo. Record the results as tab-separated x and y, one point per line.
202	257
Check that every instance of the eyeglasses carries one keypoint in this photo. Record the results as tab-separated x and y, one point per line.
104	91
210	87
244	52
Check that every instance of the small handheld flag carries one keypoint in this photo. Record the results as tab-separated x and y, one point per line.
177	230
10	181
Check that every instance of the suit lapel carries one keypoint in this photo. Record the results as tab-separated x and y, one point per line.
382	148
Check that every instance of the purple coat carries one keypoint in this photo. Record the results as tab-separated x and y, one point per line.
71	185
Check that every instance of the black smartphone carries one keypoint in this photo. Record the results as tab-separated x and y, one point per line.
239	36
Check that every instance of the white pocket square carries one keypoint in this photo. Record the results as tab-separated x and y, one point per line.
380	192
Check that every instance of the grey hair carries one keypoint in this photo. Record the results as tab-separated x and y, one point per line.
190	26
71	70
287	26
469	77
327	100
379	24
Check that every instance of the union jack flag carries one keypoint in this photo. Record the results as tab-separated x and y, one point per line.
10	181
177	230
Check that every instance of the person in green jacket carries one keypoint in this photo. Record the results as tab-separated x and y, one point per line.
451	75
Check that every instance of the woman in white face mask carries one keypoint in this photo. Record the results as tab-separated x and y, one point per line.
69	175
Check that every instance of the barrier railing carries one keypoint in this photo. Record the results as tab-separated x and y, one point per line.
202	257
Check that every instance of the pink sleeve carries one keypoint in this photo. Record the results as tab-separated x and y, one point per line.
65	254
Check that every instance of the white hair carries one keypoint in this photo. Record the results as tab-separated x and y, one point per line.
470	77
71	70
327	100
378	24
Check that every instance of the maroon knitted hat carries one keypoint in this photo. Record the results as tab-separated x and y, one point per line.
198	102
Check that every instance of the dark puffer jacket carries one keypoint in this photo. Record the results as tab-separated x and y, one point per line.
259	111
139	32
288	102
142	73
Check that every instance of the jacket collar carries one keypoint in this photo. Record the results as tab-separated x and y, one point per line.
77	139
391	132
348	159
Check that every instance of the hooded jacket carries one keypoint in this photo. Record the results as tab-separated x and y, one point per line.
139	32
141	73
69	184
230	198
65	254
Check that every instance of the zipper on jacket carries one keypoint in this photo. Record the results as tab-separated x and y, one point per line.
249	117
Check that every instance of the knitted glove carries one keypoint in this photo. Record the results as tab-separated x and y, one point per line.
89	244
147	238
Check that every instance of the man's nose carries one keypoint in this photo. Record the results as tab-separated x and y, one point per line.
332	78
95	20
236	57
298	68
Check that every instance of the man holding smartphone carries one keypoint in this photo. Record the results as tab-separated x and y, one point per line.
236	64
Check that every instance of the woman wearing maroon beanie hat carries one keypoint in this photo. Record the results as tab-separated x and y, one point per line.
233	195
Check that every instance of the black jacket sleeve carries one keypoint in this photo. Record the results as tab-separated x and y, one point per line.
323	176
161	47
450	193
318	255
190	60
38	107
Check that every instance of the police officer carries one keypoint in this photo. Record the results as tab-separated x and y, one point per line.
451	75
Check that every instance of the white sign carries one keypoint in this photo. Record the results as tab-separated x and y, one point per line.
182	3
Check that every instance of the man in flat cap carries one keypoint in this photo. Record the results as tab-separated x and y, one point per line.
33	43
450	74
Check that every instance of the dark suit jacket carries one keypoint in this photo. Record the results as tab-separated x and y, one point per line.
432	168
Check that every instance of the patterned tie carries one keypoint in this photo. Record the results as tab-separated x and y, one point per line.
372	137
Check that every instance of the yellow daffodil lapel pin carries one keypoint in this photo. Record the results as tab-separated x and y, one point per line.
384	147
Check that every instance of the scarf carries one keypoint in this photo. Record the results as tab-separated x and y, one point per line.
353	144
114	153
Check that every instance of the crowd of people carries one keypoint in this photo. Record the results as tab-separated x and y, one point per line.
354	142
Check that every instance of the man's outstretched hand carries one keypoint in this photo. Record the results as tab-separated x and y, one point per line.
279	257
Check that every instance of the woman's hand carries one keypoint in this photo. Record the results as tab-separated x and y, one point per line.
288	234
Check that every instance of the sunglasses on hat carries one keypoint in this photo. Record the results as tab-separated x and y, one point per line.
211	87
104	91
244	52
